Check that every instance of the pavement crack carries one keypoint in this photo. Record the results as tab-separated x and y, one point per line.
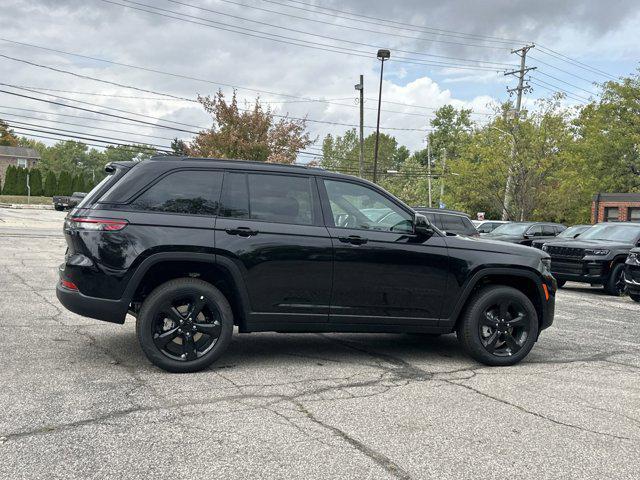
378	458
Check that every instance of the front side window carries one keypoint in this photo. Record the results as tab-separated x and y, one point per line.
453	223
360	207
548	230
192	192
535	231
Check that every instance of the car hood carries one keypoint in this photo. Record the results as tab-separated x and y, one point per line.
504	238
578	243
488	244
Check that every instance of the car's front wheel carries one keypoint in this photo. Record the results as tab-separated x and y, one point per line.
635	297
615	283
499	326
561	283
184	325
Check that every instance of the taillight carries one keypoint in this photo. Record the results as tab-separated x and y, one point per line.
68	284
100	224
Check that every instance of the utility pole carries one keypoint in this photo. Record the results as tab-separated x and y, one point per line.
444	166
429	168
360	87
519	90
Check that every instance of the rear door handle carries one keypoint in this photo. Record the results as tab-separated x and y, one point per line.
353	240
242	231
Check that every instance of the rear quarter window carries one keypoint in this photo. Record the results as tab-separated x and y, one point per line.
191	192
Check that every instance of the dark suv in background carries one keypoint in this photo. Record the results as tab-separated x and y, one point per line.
597	256
572	232
192	247
449	221
632	274
525	233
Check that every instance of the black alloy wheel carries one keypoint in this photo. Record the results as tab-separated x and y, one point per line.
504	327
616	285
187	328
499	326
184	325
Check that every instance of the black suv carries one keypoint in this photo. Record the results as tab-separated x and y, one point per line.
525	233
192	247
632	274
597	256
572	232
449	221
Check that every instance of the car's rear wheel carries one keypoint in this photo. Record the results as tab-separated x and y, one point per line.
499	326
635	297
184	325
615	283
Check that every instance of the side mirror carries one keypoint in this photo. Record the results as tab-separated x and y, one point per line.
422	226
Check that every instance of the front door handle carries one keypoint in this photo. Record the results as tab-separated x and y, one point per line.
353	240
241	231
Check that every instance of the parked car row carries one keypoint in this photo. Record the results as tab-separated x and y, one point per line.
606	254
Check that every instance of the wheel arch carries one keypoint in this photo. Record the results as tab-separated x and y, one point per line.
220	271
527	281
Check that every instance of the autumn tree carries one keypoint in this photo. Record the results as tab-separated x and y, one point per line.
248	133
7	137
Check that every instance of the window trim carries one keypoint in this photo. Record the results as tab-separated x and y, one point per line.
128	204
316	210
326	206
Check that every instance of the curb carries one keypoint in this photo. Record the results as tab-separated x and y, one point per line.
25	206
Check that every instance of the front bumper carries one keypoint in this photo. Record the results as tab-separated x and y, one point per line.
632	278
578	270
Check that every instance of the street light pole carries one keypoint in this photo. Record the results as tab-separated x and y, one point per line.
382	56
360	87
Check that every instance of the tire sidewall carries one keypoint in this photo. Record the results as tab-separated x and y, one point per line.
468	331
616	271
172	289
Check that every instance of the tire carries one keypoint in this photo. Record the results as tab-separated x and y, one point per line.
172	337
635	297
615	283
487	320
561	283
58	208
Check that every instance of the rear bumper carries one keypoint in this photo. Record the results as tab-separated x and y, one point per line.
104	309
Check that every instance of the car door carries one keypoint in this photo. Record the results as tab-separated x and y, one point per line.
383	274
270	227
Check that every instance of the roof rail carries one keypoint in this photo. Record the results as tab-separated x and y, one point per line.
227	160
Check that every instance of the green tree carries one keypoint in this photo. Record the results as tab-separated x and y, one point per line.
77	184
9	181
35	182
65	184
20	187
50	184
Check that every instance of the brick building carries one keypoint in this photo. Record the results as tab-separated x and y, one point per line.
17	156
615	207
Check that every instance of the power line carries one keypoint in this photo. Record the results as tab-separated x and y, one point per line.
572	61
284	39
557	89
565	82
77	134
328	23
560	69
58	122
202	80
405	26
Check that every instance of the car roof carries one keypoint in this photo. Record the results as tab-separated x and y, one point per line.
439	210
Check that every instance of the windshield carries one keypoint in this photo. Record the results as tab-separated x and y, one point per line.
617	233
571	232
511	229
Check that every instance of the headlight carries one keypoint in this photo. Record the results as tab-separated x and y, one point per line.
634	258
545	248
546	263
596	251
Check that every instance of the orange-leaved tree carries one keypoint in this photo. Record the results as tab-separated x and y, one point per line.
248	133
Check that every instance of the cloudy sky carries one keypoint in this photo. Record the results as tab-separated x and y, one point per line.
301	56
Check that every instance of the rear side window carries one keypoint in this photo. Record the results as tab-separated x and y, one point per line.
548	230
193	192
268	198
281	199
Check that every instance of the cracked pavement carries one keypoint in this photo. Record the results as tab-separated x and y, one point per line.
79	400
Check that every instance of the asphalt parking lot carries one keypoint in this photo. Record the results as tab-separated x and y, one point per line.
79	400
